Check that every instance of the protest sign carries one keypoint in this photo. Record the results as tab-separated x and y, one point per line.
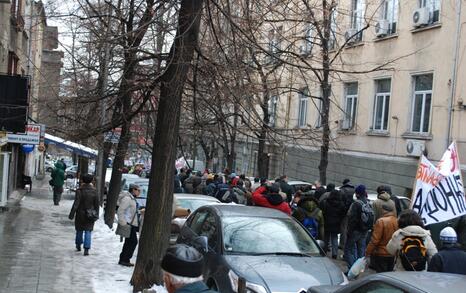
439	192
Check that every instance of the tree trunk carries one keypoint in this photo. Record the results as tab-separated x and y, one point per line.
262	156
115	181
156	229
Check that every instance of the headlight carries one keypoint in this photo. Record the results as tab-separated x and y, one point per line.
345	280
250	287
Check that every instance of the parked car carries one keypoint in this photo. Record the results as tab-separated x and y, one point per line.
71	172
264	249
49	165
296	184
401	282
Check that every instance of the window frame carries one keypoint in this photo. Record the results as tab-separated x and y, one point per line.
272	109
431	5
384	96
357	18
308	39
303	102
353	111
424	94
392	18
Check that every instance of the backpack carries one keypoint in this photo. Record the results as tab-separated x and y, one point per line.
311	224
367	216
413	253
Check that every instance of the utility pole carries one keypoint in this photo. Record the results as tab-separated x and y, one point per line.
101	165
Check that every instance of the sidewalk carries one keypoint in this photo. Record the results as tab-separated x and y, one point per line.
37	251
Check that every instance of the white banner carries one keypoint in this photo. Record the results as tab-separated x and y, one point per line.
439	192
32	135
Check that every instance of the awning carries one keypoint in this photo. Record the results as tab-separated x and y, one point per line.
70	146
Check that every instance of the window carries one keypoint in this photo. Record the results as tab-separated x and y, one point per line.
272	110
434	9
308	40
357	18
13	61
333	29
389	13
422	103
302	107
351	100
381	105
274	42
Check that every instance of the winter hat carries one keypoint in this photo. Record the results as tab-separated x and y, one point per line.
360	190
346	181
183	260
448	235
233	175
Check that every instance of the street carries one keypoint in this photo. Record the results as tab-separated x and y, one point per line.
37	250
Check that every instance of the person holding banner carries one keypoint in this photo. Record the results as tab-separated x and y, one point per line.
411	244
450	259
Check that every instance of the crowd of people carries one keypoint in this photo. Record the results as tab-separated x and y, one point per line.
343	218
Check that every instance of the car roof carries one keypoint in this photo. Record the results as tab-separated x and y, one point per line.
430	281
247	211
297	182
195	196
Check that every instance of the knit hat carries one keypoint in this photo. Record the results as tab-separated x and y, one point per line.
360	190
183	260
346	181
448	235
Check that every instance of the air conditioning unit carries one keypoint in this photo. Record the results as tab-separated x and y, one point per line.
421	17
381	28
415	148
350	36
345	124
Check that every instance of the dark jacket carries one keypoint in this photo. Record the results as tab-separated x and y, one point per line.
347	192
58	174
319	192
287	189
195	288
334	212
86	198
448	260
177	187
307	208
354	216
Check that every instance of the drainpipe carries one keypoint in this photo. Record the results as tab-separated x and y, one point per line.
454	70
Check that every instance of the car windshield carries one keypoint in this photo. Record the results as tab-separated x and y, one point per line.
254	235
193	204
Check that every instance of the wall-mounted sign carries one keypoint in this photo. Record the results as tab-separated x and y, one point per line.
32	135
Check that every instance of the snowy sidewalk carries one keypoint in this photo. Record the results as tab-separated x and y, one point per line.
37	250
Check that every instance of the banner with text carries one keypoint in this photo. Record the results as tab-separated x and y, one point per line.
439	192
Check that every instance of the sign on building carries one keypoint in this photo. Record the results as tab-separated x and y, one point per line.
113	136
32	135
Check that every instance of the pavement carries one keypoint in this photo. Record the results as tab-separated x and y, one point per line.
37	251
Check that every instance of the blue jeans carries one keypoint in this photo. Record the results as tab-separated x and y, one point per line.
87	239
331	238
355	246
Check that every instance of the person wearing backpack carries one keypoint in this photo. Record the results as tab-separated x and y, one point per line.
411	244
360	221
310	215
450	258
333	209
385	226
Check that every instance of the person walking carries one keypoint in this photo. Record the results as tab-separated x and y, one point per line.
311	216
411	244
182	267
360	220
128	223
383	198
269	197
347	191
451	258
334	211
286	188
57	181
385	226
85	211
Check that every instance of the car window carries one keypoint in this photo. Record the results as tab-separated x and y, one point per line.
196	223
405	203
209	229
254	235
378	287
193	204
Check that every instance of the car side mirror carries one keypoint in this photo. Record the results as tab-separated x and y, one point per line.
201	243
321	244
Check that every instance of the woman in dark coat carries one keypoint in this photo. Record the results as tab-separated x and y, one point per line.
334	211
86	209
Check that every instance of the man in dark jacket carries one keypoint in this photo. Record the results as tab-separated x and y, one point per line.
286	188
333	208
355	246
85	207
347	193
450	258
177	182
58	180
182	270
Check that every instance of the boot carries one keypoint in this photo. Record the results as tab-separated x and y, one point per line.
78	247
86	251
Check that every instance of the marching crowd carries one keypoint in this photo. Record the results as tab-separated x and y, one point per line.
389	237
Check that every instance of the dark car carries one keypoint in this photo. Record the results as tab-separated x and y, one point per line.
262	249
401	282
